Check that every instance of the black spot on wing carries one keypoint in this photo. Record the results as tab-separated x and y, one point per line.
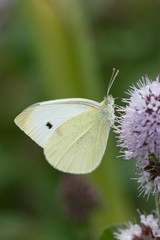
49	125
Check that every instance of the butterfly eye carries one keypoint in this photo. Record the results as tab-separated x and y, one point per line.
49	125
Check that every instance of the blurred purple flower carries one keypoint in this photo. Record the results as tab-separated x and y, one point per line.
79	197
147	230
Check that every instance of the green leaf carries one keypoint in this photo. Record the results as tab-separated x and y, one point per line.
108	233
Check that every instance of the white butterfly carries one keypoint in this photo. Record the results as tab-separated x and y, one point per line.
73	132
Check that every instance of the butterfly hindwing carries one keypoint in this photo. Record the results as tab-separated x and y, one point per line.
78	145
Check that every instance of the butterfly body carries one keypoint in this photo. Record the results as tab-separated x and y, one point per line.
108	108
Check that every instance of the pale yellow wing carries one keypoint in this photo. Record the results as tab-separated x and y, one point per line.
40	120
78	145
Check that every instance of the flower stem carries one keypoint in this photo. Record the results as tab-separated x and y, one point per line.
157	198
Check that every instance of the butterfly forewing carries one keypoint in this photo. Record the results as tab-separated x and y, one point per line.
39	121
78	145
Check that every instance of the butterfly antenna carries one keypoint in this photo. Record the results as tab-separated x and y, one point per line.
113	77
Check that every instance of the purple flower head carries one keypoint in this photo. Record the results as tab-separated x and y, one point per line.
140	121
149	178
148	229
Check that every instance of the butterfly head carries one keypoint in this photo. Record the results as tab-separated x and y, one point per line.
108	102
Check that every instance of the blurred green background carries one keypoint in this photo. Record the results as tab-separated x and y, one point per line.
53	49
